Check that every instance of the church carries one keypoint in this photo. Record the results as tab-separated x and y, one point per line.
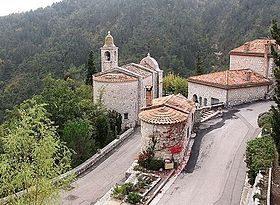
128	88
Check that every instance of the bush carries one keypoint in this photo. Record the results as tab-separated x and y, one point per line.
121	191
133	198
259	155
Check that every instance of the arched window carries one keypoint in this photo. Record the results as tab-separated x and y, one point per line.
107	56
200	101
205	101
195	98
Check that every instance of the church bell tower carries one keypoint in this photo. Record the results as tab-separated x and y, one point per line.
109	54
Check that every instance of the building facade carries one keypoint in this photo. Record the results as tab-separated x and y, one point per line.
169	120
254	55
249	78
231	87
124	88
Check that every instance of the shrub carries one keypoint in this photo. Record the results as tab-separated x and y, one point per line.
259	154
133	198
120	191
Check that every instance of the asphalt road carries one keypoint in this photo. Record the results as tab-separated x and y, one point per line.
93	185
216	170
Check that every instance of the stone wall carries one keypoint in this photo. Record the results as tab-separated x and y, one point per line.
244	95
206	92
121	97
170	138
255	63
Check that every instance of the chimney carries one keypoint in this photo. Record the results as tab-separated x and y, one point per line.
149	96
246	47
248	76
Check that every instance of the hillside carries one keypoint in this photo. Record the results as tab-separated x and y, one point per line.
49	40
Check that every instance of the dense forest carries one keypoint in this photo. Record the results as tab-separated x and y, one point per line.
57	39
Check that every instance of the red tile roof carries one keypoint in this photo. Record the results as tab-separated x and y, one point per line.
258	47
231	79
168	110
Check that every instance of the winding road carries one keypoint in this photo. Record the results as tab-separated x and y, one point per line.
216	171
214	174
91	186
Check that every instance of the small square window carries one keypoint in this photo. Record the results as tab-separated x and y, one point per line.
125	116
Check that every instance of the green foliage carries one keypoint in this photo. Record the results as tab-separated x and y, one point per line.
146	158
120	191
78	137
133	198
264	121
259	156
49	40
115	120
174	84
32	156
275	119
199	65
102	130
62	100
91	69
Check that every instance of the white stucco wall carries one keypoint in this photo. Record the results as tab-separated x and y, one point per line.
257	64
235	96
207	92
244	95
121	97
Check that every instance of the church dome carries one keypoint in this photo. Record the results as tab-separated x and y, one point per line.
109	40
150	62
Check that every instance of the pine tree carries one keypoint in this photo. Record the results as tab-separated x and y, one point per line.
199	68
275	32
91	68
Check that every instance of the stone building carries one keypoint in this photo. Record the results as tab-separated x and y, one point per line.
249	77
124	88
231	87
169	120
254	55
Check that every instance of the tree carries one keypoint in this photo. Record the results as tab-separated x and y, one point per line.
102	130
78	136
91	69
259	155
275	32
174	84
32	156
62	100
199	65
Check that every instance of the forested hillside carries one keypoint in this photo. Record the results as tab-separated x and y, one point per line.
176	32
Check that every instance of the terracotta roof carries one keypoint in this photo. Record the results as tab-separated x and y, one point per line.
137	70
163	115
115	77
231	79
167	110
256	47
178	102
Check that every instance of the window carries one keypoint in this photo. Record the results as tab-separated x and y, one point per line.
195	98
214	101
125	116
107	56
205	101
200	101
